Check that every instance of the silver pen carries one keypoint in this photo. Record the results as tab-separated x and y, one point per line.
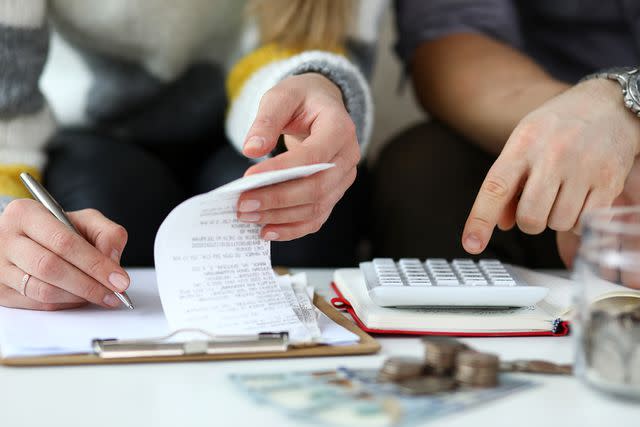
42	195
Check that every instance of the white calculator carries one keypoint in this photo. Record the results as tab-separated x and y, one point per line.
411	282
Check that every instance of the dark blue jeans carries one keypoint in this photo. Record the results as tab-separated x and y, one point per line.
137	185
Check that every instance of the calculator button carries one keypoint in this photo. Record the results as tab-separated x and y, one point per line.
475	281
391	282
447	281
463	262
489	262
410	262
419	282
503	282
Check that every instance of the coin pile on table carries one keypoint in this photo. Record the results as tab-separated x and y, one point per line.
611	341
441	353
397	369
449	364
477	369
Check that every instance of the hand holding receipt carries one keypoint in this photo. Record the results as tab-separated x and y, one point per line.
46	266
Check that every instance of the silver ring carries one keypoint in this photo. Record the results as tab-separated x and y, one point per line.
23	284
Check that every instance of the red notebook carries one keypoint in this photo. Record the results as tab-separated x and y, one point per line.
547	318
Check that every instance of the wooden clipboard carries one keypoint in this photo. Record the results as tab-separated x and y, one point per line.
366	345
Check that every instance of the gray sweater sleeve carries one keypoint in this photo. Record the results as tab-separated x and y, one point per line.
23	52
354	87
26	122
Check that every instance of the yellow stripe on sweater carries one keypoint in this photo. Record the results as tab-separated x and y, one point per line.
257	59
10	183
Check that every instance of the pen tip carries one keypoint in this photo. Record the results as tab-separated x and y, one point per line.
124	298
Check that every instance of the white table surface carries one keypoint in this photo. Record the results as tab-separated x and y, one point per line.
200	394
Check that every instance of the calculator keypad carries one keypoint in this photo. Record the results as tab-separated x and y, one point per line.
440	272
411	282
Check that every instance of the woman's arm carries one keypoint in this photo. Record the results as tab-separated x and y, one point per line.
320	101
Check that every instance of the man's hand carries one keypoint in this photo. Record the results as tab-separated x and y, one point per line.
308	109
568	241
571	155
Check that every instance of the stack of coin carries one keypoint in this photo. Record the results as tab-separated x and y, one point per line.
427	385
611	342
441	353
449	363
476	369
397	369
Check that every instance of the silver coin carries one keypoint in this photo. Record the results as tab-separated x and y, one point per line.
400	368
427	385
441	353
477	377
476	369
478	359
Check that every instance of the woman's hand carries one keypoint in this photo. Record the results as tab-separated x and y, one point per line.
571	155
66	269
308	109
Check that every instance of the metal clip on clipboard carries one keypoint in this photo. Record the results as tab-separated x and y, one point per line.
210	344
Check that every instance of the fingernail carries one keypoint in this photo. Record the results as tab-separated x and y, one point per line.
111	300
254	143
249	217
119	281
472	243
249	205
115	256
271	235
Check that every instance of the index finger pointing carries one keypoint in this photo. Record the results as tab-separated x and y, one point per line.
498	189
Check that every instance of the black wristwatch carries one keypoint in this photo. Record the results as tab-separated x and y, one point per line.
628	79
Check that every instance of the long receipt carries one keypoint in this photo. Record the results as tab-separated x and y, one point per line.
214	272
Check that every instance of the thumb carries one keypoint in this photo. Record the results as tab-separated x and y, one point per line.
276	110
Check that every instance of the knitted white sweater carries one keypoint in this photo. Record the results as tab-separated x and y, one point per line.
135	50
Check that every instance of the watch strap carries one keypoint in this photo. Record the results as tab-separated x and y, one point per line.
628	78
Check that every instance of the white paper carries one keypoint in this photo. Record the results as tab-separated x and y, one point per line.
28	332
214	272
33	333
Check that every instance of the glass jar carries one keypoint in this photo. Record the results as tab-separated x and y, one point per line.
607	298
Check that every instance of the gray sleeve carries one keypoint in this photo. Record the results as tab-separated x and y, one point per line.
23	52
355	91
25	119
419	21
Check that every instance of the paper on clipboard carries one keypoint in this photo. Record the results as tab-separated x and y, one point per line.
208	278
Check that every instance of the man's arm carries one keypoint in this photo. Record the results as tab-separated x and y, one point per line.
563	150
479	86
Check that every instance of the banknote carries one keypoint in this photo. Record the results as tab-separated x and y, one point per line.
353	397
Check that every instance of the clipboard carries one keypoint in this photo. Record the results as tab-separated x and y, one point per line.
269	346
